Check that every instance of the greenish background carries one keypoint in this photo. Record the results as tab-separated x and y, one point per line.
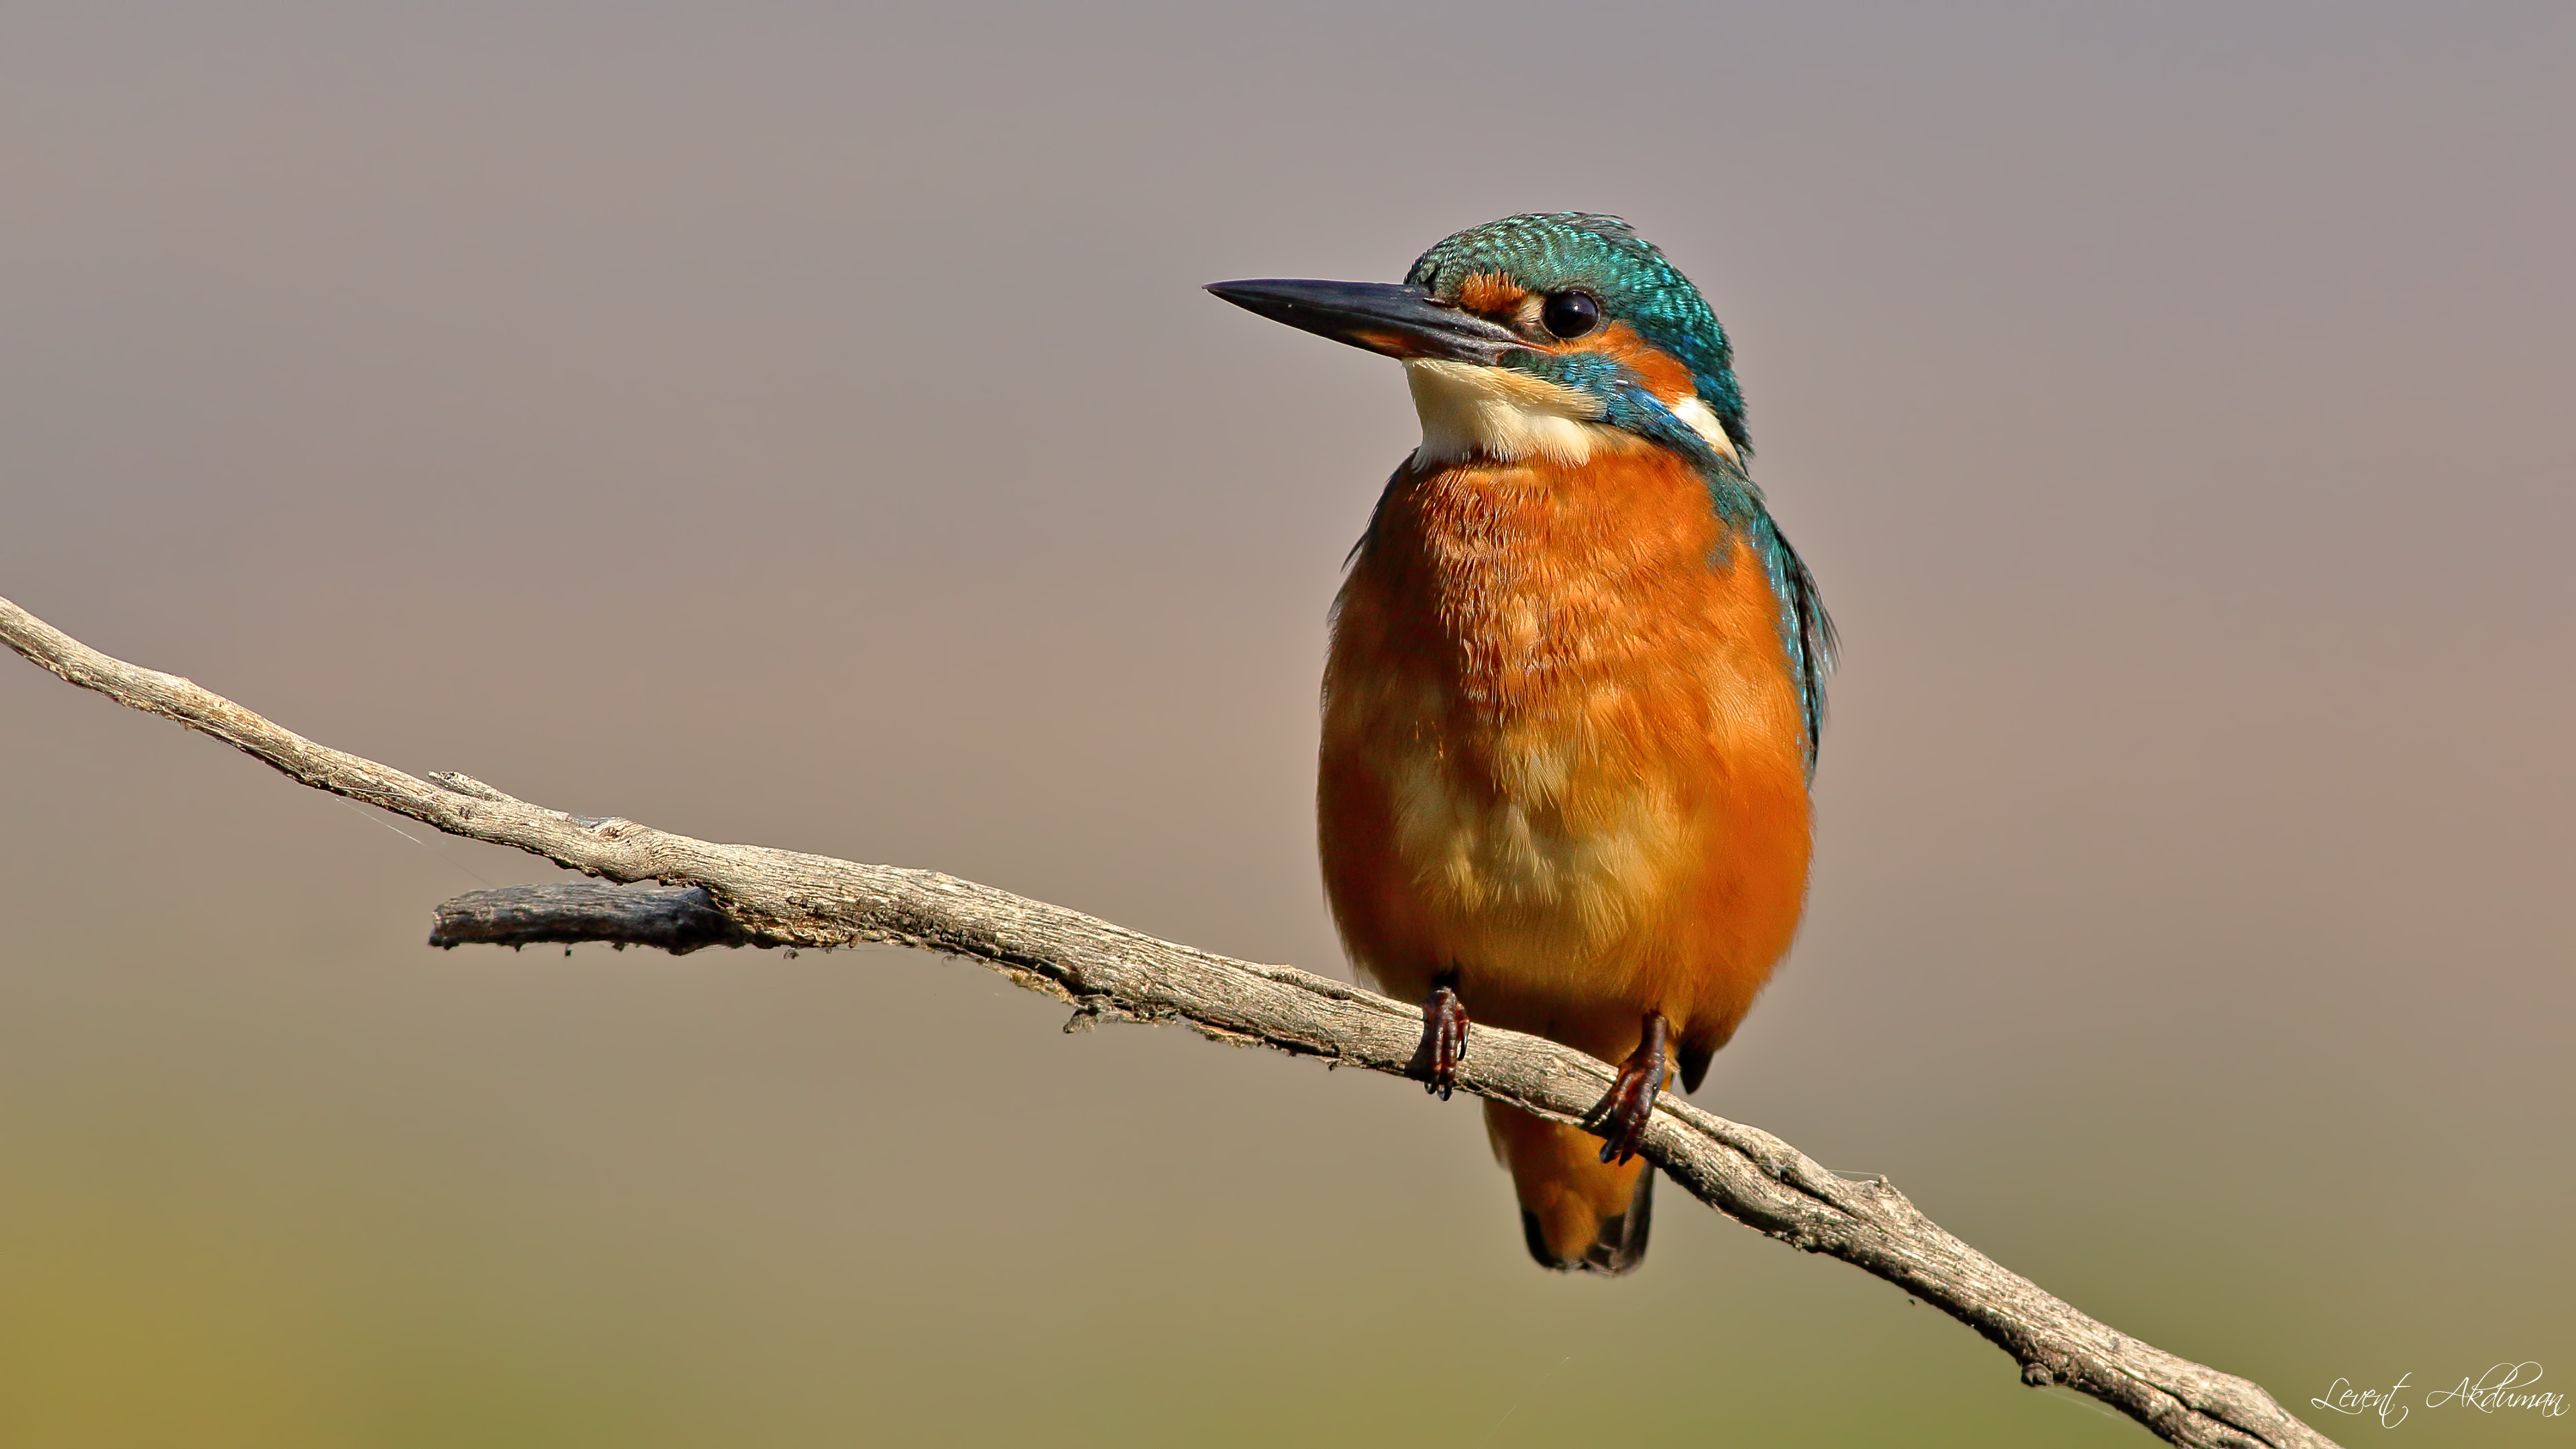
800	425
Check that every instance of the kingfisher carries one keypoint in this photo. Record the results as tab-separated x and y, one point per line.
1574	691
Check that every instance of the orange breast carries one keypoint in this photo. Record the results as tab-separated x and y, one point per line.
1563	752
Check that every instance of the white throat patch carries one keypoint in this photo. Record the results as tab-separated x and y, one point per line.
1495	412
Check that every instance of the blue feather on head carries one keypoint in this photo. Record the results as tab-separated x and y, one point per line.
1560	250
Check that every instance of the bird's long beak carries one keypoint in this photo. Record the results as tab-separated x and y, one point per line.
1397	321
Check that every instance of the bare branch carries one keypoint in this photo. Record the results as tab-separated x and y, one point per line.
777	897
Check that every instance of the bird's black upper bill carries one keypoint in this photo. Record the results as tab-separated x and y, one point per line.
1398	321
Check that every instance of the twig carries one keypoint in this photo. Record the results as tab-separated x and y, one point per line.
782	898
669	918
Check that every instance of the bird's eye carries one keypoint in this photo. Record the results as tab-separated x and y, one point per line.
1570	314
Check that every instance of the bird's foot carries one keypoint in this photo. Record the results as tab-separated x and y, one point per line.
1621	1115
1444	1037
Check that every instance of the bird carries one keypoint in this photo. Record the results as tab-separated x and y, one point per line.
1573	694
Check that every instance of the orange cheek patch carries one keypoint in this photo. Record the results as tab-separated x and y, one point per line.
1664	377
1491	294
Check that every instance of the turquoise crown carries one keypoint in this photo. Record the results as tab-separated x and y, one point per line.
1560	250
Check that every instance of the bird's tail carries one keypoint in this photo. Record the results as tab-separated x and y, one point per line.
1576	1211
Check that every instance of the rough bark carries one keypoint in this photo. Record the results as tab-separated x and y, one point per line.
760	896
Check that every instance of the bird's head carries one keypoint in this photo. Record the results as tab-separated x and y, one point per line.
1530	335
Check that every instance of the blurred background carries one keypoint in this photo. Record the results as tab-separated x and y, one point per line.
802	426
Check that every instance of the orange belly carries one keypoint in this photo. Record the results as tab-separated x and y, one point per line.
1563	752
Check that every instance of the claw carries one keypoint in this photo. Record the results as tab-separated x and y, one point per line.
1622	1113
1444	1037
